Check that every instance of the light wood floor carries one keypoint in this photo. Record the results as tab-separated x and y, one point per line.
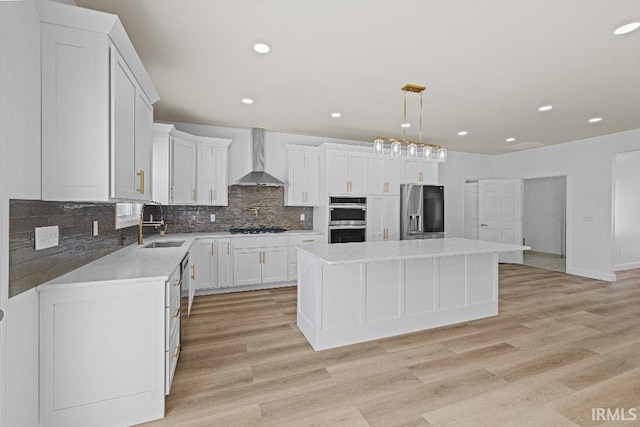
561	346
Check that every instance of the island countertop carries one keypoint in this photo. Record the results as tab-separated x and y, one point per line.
349	253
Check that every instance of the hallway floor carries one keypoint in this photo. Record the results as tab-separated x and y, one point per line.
545	261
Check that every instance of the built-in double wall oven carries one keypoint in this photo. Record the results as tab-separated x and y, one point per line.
347	219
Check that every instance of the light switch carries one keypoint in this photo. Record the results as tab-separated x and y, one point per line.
302	217
46	237
94	228
212	218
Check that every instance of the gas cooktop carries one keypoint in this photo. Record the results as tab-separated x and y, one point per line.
261	230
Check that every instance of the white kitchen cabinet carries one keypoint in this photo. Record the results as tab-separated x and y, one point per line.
131	123
300	240
346	172
211	174
95	131
383	222
103	353
212	264
384	175
189	169
258	260
303	173
419	171
183	172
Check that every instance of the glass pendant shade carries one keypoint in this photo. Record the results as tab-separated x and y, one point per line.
427	152
412	151
395	149
442	155
378	146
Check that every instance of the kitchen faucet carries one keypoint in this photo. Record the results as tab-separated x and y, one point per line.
253	209
151	223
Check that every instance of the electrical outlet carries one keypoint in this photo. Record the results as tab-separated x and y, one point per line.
46	237
302	217
94	228
212	218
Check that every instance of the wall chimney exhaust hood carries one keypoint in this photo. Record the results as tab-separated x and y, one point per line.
258	176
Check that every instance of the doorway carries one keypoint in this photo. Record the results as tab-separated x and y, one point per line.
544	222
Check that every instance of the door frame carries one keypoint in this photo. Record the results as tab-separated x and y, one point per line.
564	224
567	212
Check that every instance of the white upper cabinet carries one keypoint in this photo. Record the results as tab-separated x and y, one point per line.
347	172
303	172
97	116
384	175
183	172
419	171
189	169
383	218
211	175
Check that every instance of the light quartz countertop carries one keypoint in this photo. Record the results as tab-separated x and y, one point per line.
135	262
349	253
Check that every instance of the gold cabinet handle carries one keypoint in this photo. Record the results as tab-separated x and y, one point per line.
308	241
177	283
193	272
194	192
260	257
228	245
347	185
177	313
264	258
140	189
176	354
484	225
212	251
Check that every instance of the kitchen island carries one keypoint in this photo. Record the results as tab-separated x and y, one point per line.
354	292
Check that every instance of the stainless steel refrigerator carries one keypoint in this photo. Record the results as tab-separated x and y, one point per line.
421	211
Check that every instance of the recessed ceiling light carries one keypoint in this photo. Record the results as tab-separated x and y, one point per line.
261	48
336	115
595	120
462	133
510	139
545	108
247	101
405	125
627	28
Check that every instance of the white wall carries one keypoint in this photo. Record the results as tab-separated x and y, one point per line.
543	214
461	167
20	164
626	253
588	165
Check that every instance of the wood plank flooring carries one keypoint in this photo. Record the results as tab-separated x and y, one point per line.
561	346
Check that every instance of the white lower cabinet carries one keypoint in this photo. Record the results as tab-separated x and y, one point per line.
294	243
258	260
103	353
212	264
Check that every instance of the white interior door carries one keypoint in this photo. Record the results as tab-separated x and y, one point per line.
500	215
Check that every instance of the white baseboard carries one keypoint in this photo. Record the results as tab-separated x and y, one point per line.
607	277
245	288
628	266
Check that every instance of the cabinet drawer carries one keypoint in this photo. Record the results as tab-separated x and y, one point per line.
260	242
305	240
173	285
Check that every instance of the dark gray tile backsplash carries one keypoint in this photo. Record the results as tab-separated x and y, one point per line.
29	268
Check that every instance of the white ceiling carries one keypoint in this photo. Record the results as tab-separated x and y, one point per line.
488	65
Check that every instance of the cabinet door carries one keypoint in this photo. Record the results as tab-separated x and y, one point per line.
123	114
274	264
297	177
183	172
204	174
337	173
224	273
358	172
429	171
410	171
392	217
247	267
205	264
377	178
393	169
75	114
144	136
375	220
219	185
311	180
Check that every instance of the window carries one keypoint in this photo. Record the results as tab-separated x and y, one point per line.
127	214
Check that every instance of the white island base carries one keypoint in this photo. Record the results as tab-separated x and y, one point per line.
349	293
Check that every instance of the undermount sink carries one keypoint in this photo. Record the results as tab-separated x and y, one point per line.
169	244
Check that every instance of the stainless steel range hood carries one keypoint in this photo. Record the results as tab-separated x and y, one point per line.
258	176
